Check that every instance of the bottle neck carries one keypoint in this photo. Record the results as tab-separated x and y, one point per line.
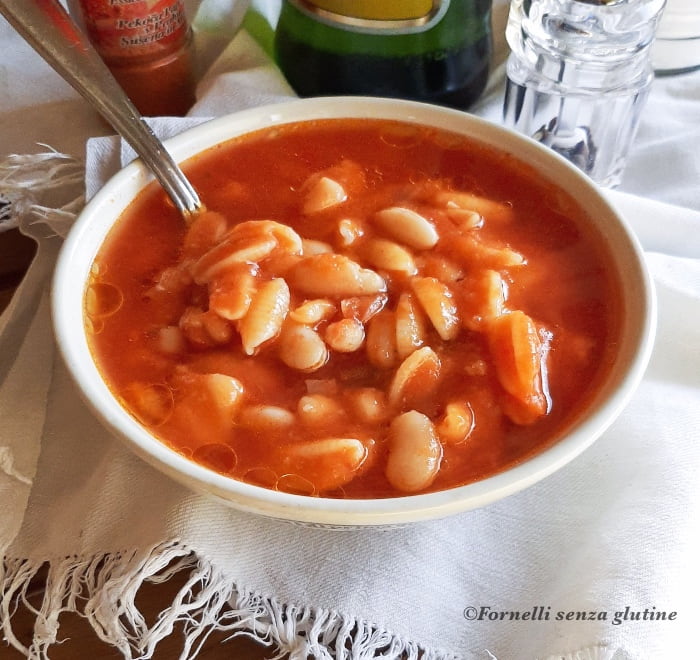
375	9
458	23
393	16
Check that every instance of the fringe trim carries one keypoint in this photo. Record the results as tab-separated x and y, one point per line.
28	182
103	590
591	653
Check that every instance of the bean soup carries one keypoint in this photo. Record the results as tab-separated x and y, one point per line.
367	308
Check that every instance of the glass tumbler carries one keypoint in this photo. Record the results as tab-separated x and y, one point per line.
578	77
677	46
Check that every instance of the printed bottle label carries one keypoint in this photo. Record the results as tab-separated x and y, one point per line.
120	28
376	15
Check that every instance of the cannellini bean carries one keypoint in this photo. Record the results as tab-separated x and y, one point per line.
219	394
415	377
335	276
457	423
219	329
408	227
323	194
328	463
173	280
352	447
204	328
476	253
319	410
310	246
369	404
226	391
206	405
311	312
235	191
387	255
192	327
380	343
489	208
301	347
410	325
465	219
231	293
171	340
349	230
345	336
265	418
438	303
266	314
414	452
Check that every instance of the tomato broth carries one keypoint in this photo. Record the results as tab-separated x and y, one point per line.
367	308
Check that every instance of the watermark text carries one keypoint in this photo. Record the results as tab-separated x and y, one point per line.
548	613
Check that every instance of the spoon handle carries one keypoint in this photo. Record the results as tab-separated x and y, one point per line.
48	28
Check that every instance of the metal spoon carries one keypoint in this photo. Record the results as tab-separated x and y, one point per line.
48	28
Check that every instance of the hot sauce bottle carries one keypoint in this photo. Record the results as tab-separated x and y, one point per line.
435	51
147	44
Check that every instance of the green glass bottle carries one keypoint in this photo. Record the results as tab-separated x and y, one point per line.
437	51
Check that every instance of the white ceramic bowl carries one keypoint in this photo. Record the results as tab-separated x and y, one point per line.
97	218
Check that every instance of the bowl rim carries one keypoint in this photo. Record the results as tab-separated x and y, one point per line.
93	223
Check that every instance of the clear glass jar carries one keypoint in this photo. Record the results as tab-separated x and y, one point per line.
579	75
677	46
